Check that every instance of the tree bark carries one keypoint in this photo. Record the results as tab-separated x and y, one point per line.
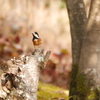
77	16
19	76
85	33
89	65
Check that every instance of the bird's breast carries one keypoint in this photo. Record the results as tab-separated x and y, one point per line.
37	41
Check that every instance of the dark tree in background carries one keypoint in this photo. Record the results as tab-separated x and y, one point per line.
85	33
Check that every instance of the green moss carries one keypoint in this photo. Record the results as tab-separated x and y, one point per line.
82	87
94	94
78	86
73	86
51	92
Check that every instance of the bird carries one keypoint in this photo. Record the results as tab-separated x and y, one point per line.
36	39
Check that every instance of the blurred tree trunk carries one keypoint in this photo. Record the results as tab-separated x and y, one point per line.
85	33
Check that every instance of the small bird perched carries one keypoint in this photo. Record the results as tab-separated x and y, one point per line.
36	39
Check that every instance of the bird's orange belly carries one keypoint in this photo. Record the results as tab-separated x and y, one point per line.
37	42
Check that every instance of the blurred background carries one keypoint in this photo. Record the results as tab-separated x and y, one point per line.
19	18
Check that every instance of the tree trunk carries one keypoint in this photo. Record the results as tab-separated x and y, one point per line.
77	16
89	65
85	79
19	76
